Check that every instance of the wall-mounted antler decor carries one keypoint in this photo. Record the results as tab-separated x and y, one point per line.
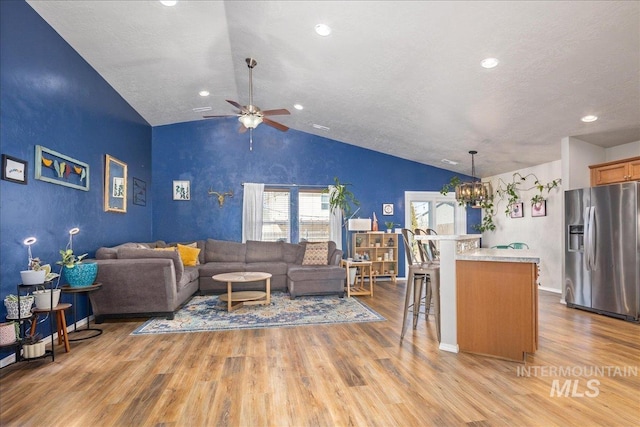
221	196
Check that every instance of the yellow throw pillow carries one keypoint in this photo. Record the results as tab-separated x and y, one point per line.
316	254
188	255
194	245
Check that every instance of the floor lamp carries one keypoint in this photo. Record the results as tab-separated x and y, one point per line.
356	224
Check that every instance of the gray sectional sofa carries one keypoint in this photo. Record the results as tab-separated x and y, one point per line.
140	281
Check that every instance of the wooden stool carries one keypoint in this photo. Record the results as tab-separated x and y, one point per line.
61	322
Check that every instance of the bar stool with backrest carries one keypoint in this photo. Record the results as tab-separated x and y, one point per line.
419	272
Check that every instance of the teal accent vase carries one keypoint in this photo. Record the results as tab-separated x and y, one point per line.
81	275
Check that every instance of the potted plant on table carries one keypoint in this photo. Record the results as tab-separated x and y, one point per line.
389	225
76	272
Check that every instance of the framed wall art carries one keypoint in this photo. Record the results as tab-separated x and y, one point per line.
181	190
516	210
139	192
57	168
387	209
115	185
14	170
539	208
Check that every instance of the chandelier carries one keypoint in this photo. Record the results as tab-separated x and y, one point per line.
473	193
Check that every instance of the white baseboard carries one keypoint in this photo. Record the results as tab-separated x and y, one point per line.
6	361
452	348
554	290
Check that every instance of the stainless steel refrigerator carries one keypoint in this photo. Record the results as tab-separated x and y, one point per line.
602	253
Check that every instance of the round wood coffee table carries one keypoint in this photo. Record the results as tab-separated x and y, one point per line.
236	300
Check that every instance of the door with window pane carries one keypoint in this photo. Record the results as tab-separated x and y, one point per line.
431	211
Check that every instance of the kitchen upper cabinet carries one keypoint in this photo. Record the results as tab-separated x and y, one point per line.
617	171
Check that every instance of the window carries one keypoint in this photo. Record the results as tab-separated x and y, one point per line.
276	222
313	216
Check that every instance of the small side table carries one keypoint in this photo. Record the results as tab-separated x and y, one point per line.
75	291
358	288
61	322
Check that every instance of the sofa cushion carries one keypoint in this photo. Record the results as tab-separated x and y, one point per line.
316	272
133	253
291	251
275	268
315	254
263	251
190	274
212	268
188	255
224	251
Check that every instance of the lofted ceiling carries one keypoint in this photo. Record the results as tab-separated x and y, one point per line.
402	78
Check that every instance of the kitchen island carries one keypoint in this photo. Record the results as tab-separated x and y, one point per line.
497	302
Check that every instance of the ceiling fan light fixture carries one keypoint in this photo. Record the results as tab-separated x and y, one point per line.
323	30
250	121
298	106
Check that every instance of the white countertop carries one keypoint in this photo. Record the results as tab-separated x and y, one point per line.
447	236
499	255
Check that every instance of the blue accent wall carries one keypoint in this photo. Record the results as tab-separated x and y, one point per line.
50	96
212	154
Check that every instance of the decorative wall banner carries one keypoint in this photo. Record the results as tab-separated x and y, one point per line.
57	168
139	192
181	190
14	170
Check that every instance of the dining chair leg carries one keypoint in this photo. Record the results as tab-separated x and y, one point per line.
407	297
417	299
435	284
429	296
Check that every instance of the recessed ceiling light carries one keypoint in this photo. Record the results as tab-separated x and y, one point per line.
323	29
320	127
168	2
298	107
203	93
449	162
590	118
201	109
489	62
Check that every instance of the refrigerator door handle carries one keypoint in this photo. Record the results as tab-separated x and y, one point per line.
586	243
592	238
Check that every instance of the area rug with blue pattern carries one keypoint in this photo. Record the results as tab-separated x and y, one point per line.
207	313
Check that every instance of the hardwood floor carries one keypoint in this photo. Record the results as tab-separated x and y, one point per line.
340	375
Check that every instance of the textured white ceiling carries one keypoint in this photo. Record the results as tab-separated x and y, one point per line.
402	78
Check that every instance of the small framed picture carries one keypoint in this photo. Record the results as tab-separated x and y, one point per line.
139	192
516	210
14	170
181	190
539	208
387	209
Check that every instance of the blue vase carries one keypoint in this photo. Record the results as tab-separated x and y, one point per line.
81	275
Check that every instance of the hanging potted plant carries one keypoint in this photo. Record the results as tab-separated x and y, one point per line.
77	273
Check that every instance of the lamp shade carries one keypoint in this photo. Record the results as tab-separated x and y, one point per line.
359	224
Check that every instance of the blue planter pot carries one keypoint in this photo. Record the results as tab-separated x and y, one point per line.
81	275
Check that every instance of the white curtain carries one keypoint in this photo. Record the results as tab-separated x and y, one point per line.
252	212
335	223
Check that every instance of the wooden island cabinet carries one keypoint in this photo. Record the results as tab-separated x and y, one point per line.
497	303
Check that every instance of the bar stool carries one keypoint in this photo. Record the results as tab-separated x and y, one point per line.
421	272
61	322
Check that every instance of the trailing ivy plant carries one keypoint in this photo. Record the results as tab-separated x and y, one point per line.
511	191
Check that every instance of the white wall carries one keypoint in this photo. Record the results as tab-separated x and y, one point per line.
623	151
544	235
577	155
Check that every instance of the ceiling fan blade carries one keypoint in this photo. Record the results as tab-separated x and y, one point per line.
235	104
242	129
273	124
279	112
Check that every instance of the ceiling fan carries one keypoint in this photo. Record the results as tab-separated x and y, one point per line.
251	116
